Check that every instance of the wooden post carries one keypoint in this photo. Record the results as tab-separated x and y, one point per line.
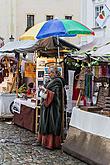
62	115
14	81
109	88
79	98
37	107
17	56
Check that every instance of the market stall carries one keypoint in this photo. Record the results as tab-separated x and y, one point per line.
24	107
7	73
88	137
66	28
27	115
10	75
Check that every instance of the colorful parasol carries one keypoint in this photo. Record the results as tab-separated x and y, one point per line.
56	27
32	32
63	28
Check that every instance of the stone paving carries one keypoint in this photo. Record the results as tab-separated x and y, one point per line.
18	147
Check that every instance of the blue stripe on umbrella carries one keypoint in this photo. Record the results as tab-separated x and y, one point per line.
53	28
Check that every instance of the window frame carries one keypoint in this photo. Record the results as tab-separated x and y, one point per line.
68	17
48	17
96	14
30	20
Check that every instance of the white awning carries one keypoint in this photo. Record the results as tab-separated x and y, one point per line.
97	42
102	51
32	45
19	46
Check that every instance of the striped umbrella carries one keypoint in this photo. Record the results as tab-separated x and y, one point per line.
56	27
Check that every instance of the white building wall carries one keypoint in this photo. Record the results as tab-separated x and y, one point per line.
4	18
88	18
13	13
98	31
58	8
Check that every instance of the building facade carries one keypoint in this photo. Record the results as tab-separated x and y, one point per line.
17	16
90	11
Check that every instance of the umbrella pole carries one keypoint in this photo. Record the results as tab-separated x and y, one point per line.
58	49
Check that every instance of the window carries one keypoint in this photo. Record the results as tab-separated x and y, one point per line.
30	21
49	17
68	17
98	10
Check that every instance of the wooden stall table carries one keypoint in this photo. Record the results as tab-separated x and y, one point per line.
25	114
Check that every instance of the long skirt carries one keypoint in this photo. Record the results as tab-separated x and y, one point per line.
49	141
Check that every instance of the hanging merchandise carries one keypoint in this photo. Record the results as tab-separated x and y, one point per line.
88	85
100	71
108	71
81	83
93	70
96	71
23	62
104	70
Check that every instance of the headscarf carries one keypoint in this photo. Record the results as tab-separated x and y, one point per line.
54	72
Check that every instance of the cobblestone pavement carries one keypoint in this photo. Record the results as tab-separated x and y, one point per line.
18	147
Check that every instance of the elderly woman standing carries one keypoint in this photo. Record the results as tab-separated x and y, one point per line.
51	119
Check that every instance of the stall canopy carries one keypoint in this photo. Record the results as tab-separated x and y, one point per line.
32	45
103	51
49	46
19	46
96	43
51	43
